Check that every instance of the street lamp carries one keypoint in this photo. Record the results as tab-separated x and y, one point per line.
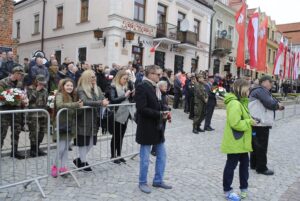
129	37
98	33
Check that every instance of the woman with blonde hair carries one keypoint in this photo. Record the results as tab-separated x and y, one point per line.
119	94
237	138
88	119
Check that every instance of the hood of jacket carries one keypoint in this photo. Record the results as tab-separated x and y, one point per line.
230	96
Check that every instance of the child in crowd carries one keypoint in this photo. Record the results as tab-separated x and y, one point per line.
237	138
65	98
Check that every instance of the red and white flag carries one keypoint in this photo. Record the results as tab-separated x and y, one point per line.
262	46
296	65
285	59
240	23
252	34
278	57
153	49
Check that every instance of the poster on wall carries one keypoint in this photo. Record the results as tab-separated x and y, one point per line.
5	49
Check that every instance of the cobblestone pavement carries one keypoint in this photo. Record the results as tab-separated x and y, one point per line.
194	169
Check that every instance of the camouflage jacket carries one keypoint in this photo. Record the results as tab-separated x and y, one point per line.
7	83
37	99
200	93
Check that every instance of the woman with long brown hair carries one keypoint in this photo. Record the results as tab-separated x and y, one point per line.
66	97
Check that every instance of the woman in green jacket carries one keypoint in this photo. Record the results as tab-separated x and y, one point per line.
65	98
237	138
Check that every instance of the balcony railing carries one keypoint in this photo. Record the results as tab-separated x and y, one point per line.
187	37
166	30
223	43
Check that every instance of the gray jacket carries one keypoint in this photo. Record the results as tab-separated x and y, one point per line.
265	97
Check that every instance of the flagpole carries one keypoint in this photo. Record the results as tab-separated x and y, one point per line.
246	17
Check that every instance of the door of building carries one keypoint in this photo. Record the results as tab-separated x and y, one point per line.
137	55
58	56
194	65
159	59
178	63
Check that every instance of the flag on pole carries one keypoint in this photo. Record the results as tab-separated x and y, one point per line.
278	57
285	58
291	55
240	21
252	34
153	49
296	65
262	46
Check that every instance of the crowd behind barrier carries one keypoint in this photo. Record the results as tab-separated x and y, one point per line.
83	135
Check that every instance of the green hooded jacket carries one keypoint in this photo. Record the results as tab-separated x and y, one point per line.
238	118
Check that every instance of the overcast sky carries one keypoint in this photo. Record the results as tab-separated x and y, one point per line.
282	11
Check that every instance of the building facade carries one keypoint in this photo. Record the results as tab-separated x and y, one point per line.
117	31
6	20
224	39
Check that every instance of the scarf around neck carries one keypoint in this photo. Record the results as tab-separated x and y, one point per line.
157	90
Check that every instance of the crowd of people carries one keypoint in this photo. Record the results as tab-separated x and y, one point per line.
152	89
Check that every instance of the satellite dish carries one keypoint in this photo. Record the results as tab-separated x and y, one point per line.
184	25
224	33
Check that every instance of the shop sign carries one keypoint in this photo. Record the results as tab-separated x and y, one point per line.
138	28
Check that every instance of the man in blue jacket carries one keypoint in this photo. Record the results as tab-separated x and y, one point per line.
258	160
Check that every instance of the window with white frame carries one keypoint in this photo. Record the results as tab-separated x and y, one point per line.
36	27
59	17
139	10
84	10
18	26
82	54
219	27
230	32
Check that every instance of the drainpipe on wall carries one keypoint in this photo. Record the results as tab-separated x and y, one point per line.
210	39
43	25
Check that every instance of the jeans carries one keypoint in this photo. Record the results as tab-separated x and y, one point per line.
258	158
231	163
160	163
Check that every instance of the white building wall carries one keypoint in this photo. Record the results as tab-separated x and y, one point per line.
110	17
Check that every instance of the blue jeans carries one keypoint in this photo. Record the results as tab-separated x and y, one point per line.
231	163
160	163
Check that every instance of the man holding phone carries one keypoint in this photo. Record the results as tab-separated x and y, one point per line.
258	159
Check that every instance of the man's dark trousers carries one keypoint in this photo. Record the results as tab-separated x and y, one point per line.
210	107
258	159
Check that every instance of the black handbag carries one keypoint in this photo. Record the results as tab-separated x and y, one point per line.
65	128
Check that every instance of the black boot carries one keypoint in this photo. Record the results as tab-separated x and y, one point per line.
195	130
77	162
200	130
33	151
16	154
40	151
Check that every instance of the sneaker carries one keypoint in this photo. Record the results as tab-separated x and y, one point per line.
54	171
232	196
144	188
161	185
63	170
244	193
122	160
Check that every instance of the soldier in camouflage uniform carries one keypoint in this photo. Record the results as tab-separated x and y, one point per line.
37	121
200	100
14	80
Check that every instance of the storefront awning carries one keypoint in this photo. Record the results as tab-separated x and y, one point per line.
188	46
166	41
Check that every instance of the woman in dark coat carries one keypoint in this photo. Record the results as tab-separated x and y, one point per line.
88	119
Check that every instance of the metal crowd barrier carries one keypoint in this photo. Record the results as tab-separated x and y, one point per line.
15	172
289	111
106	129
